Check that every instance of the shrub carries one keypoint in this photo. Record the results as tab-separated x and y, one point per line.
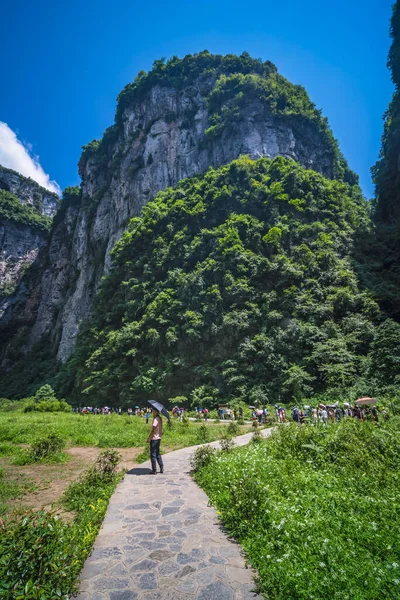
203	434
233	428
257	437
44	447
227	443
201	457
36	558
240	421
46	392
106	465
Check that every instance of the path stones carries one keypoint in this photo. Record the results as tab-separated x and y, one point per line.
144	565
161	541
161	555
169	510
216	591
125	595
147	582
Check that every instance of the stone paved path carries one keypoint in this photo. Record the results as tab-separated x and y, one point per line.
161	541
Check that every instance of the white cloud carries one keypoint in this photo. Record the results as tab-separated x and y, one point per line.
17	156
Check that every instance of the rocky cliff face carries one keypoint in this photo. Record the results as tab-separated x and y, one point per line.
29	192
25	217
19	248
160	140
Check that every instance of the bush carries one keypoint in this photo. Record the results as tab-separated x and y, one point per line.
45	447
257	437
106	464
36	558
240	421
203	434
233	428
201	457
46	392
227	443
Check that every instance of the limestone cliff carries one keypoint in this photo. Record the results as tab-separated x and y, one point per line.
167	132
29	192
25	219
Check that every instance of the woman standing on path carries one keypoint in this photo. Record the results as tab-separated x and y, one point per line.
155	441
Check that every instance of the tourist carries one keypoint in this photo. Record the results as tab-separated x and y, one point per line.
314	413
240	413
324	416
147	416
205	413
375	414
155	440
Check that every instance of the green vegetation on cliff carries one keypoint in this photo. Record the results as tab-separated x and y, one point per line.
236	284
14	211
228	83
379	254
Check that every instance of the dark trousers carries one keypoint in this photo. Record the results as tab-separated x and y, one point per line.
155	455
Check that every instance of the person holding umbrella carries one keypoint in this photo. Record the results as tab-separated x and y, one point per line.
155	436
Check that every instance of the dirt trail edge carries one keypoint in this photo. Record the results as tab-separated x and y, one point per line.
161	541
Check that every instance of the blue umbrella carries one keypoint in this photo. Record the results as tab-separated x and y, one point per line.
158	406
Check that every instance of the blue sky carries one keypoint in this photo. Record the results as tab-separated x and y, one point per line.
64	63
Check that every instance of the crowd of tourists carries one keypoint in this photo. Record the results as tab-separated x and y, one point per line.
108	410
307	414
334	413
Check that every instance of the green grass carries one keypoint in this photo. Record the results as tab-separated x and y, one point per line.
41	556
317	510
102	431
10	490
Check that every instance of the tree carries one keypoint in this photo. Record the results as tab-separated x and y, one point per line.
296	382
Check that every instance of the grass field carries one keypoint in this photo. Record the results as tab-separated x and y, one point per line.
317	509
37	485
101	431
